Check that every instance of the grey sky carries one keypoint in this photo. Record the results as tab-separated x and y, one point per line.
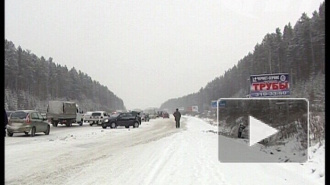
148	51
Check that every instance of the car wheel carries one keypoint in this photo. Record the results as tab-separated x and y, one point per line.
136	125
48	130
10	134
55	124
126	126
26	133
104	126
33	131
91	124
69	124
81	123
113	125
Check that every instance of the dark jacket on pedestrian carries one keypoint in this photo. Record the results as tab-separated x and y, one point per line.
177	115
241	128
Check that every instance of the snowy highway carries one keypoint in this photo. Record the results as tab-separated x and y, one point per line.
154	153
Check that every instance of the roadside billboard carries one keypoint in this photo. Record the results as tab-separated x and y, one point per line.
214	104
222	103
269	85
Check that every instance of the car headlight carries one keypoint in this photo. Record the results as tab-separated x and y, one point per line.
106	120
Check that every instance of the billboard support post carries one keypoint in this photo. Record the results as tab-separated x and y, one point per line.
218	114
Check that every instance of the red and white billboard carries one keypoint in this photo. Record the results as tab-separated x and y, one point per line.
269	85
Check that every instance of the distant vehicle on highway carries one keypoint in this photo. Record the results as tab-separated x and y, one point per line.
87	115
27	121
152	116
152	112
145	117
96	117
63	112
126	119
159	114
166	115
9	113
138	115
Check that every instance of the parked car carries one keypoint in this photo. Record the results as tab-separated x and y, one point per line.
97	117
126	119
27	121
43	114
87	115
166	115
152	116
138	114
159	114
9	113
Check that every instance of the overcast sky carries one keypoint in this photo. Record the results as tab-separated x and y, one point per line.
148	51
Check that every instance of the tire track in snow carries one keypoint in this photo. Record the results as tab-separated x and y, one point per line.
71	162
178	159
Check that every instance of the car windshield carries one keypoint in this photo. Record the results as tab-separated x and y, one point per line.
135	113
9	113
19	115
96	114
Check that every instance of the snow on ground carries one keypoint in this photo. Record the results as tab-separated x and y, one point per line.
290	149
155	153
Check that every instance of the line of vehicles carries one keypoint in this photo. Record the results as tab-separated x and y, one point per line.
67	113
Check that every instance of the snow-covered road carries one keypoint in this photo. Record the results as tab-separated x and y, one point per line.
155	153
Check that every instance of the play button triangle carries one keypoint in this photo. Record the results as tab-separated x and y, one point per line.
259	130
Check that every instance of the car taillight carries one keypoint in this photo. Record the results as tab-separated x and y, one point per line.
27	119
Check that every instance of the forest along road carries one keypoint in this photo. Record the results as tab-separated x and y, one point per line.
68	150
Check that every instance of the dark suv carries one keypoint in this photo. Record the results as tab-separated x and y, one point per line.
138	114
121	119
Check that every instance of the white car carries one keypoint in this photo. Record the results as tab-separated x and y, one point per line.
87	115
96	117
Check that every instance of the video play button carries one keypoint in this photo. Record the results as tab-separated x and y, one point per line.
259	130
279	126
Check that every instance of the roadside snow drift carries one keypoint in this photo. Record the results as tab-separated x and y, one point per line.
154	153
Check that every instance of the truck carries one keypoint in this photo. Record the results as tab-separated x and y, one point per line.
64	112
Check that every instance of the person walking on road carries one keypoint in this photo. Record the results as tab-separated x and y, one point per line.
177	116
